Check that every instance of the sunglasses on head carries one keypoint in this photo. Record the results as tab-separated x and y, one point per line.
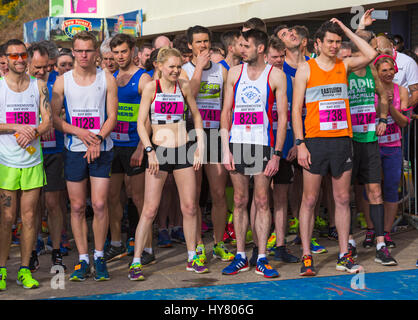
15	56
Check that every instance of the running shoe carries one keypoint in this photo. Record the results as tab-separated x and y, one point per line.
100	269
254	257
15	237
265	269
281	253
135	272
221	252
416	264
308	268
320	224
40	246
115	253
3	277
370	239
130	246
24	278
317	248
271	242
346	263
332	233
296	241
388	240
147	258
177	235
229	234
34	262
81	271
361	221
64	241
164	240
48	246
56	258
352	250
293	225
239	264
196	265
249	237
45	226
201	252
383	257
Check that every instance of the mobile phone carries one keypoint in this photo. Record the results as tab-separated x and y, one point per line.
380	14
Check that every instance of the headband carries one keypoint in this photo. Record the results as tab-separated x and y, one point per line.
386	56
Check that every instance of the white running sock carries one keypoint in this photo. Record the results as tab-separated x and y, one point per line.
352	242
243	255
136	260
380	245
84	257
149	250
98	254
116	243
260	256
191	255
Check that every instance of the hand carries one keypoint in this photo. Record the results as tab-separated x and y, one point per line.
93	152
292	154
342	25
366	20
272	166
47	136
136	158
202	59
153	164
198	159
389	95
228	161
87	137
24	135
381	129
304	157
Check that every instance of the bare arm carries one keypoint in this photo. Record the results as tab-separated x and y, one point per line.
299	88
111	106
367	52
281	101
44	108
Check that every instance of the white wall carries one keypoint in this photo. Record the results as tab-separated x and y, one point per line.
175	15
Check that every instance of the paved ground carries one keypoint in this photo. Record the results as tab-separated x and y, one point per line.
169	273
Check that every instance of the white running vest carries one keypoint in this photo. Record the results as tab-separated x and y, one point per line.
252	119
85	107
209	98
21	108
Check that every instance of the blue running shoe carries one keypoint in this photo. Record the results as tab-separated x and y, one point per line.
40	246
316	247
239	264
265	269
177	235
164	240
48	246
81	271
130	246
100	267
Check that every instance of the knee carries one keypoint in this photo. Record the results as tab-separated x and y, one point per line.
99	206
342	199
78	209
262	202
218	195
375	196
309	201
149	212
240	200
138	200
189	209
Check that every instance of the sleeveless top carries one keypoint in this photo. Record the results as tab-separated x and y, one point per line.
209	98
85	107
288	144
125	134
167	107
326	97
252	118
393	134
20	108
363	112
55	143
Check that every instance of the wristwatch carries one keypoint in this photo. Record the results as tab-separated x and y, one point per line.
278	153
149	149
298	142
99	137
384	120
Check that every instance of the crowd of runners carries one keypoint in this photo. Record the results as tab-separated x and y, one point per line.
257	131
